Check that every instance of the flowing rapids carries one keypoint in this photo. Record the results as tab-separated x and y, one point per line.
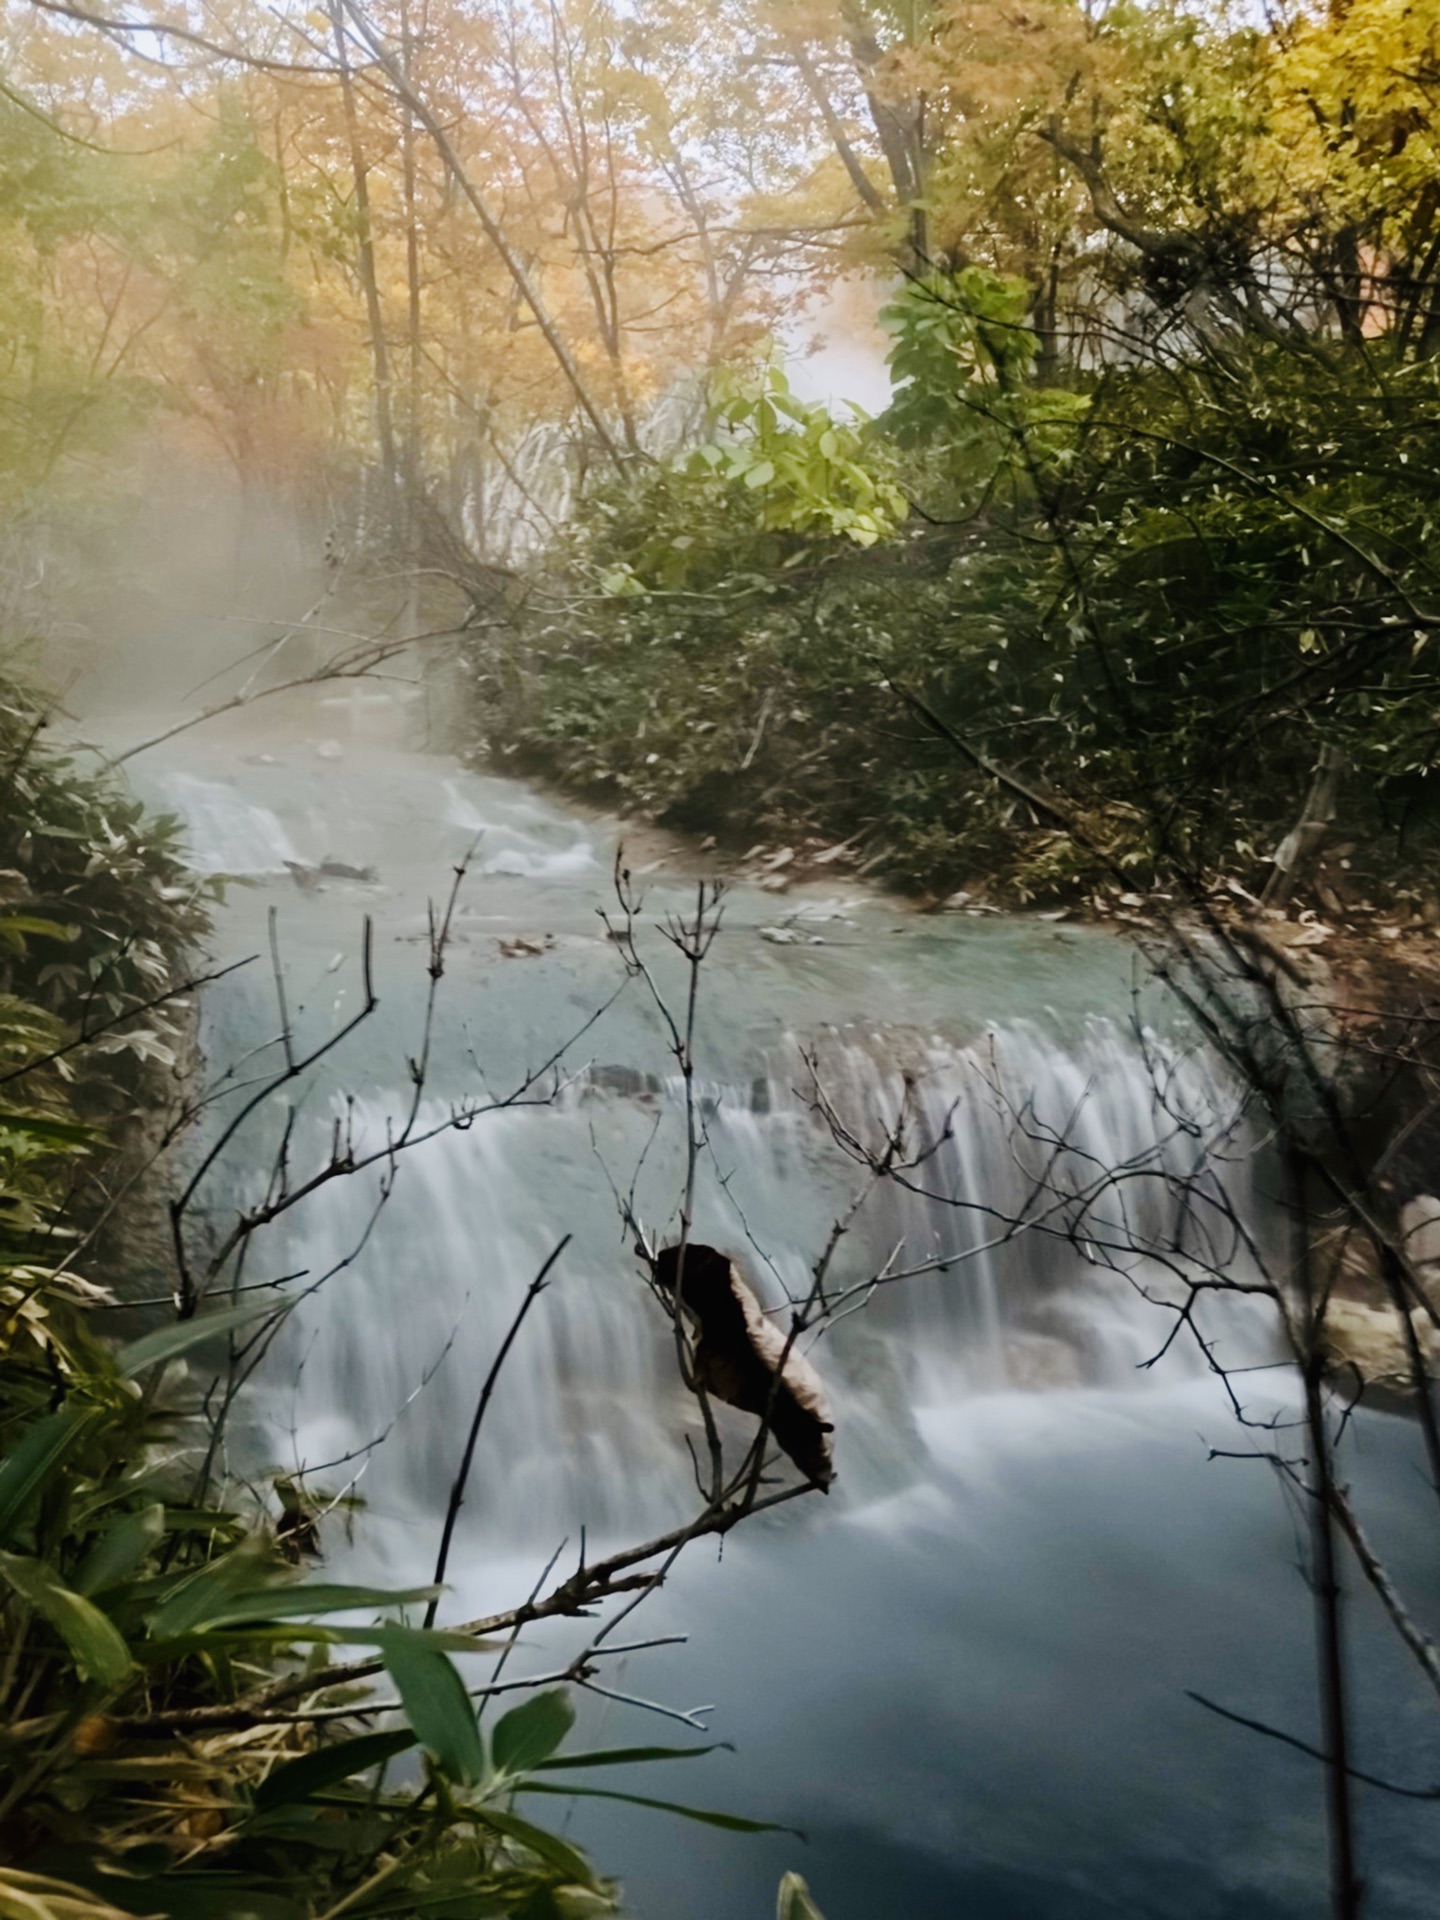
965	1675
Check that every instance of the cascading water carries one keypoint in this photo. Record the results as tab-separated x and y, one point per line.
590	1423
229	834
965	1674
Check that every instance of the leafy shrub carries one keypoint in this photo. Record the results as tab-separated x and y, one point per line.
1158	600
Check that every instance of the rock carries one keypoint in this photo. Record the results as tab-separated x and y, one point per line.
306	878
1370	1340
524	946
329	750
1420	1240
1041	1362
626	1082
342	870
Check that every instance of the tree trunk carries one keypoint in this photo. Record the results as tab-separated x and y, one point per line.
365	255
1330	1648
1296	853
413	476
494	233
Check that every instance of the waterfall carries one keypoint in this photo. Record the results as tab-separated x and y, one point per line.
1033	1263
1031	1556
588	1425
228	833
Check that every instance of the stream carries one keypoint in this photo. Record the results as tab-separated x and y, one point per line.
965	1676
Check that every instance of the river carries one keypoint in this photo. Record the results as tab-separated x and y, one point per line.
966	1675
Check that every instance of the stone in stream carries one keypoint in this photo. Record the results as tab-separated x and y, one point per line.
1420	1231
1371	1341
526	946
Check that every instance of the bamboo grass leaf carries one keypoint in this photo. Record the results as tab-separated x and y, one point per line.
25	1471
437	1706
167	1343
795	1902
328	1767
731	1822
121	1549
100	1653
546	1846
628	1756
528	1735
279	1602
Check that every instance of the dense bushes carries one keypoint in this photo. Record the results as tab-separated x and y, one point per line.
97	916
1159	597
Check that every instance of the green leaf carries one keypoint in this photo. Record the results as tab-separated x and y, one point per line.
443	1639
193	1601
760	475
532	1731
629	1756
59	1133
166	1343
328	1767
731	1822
100	1654
24	1472
209	1896
120	1549
23	923
445	1903
254	1633
437	1706
795	1902
545	1845
296	1602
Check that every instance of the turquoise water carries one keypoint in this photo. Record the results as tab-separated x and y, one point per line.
965	1675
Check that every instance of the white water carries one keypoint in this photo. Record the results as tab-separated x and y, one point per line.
228	834
589	1425
965	1674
